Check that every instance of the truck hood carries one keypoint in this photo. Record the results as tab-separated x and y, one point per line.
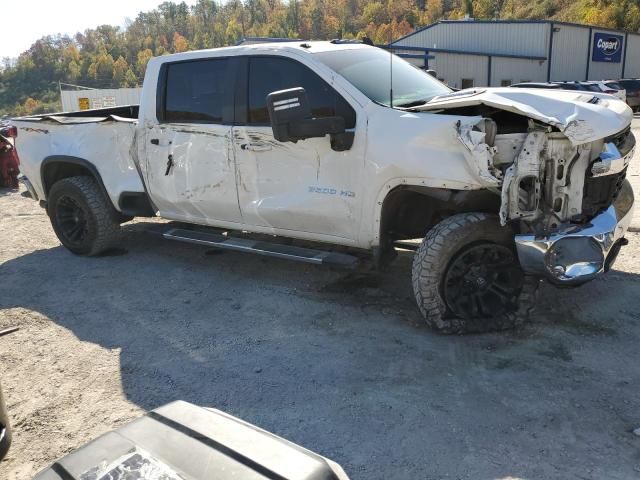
582	116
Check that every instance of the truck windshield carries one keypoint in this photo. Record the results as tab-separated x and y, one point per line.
368	69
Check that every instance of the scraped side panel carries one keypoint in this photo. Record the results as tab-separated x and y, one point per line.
105	144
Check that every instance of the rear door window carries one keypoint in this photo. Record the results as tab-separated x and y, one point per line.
270	74
196	91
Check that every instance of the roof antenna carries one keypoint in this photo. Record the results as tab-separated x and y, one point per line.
390	76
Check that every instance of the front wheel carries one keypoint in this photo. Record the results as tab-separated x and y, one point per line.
82	217
467	278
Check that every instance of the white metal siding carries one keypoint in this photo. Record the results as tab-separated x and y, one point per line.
603	70
508	38
454	67
415	61
517	70
569	53
632	67
121	96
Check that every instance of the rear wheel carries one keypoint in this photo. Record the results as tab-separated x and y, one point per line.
467	278
82	217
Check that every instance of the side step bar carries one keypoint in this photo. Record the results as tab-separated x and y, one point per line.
289	252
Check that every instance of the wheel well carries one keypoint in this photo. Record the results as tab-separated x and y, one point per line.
411	211
56	168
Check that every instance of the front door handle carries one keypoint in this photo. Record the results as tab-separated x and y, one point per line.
155	141
256	147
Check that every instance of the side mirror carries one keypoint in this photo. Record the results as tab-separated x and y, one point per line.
291	120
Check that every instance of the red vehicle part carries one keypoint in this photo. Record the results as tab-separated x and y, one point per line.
9	161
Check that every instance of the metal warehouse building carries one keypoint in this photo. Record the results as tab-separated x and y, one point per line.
467	53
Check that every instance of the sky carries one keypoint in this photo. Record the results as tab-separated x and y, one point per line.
25	21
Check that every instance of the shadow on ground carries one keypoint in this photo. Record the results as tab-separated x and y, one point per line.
341	364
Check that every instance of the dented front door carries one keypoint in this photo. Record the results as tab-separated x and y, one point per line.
298	187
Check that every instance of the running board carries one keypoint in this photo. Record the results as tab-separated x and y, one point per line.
289	252
405	245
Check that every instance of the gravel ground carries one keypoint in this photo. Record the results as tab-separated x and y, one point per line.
335	361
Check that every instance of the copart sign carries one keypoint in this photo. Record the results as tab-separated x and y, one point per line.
607	47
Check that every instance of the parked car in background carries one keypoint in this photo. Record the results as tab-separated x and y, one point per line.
582	86
612	87
9	161
632	87
536	85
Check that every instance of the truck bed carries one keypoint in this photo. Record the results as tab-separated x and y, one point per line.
104	138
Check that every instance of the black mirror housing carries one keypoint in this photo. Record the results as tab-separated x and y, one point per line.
291	120
286	108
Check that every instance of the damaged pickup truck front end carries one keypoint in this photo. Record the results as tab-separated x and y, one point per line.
560	174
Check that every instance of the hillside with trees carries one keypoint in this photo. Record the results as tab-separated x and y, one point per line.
110	57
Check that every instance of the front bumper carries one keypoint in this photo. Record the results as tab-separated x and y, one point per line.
579	253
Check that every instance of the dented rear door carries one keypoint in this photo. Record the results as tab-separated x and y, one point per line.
191	169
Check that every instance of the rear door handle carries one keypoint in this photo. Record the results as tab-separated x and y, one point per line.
256	147
155	141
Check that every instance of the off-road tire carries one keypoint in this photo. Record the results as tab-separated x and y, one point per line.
439	248
101	219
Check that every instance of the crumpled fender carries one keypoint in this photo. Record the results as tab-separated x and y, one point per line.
478	154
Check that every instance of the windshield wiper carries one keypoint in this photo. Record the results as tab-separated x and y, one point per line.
415	103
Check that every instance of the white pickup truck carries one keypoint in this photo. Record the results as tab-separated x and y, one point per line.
333	154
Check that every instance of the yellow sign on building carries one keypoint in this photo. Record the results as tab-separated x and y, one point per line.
83	103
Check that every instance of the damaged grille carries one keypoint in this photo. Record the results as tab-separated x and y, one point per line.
600	192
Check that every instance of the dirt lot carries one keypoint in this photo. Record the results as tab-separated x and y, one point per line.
335	362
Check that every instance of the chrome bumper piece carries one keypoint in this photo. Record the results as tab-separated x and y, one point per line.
579	253
611	161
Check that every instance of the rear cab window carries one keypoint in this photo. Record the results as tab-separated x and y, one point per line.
195	91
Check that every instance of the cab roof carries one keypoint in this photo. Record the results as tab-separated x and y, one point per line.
293	46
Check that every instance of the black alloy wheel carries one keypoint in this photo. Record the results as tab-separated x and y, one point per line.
72	221
483	280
